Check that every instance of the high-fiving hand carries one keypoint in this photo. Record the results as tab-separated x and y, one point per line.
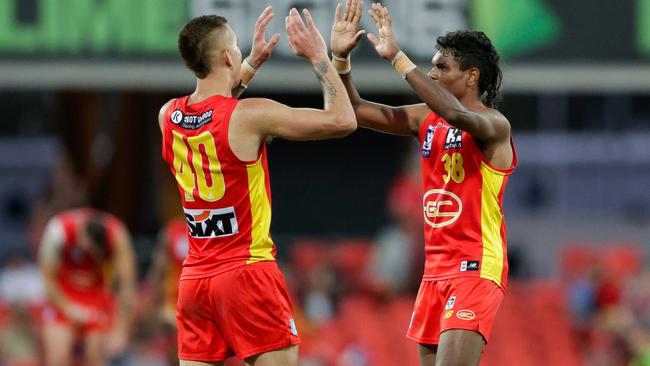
386	45
345	35
262	49
305	40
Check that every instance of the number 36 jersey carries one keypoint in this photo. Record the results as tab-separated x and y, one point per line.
464	227
226	201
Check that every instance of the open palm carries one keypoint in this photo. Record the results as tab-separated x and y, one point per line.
386	44
345	34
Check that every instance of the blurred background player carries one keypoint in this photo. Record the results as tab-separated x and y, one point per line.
168	260
81	252
467	156
232	296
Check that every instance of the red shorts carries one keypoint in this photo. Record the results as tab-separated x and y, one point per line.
457	303
242	312
103	316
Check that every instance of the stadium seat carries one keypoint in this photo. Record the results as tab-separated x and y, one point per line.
577	259
621	260
307	253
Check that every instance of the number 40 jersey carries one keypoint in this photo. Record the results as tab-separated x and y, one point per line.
226	201
464	227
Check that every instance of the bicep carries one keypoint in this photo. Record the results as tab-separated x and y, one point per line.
485	125
265	117
401	120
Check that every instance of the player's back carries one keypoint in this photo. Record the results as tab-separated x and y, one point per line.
226	201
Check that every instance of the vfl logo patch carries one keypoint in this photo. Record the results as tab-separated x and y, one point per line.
465	315
441	208
426	145
191	122
469	266
454	139
450	302
211	223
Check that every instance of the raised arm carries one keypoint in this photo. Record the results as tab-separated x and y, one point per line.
486	125
402	120
263	117
260	52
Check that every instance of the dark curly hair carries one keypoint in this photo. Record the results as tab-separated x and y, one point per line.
95	228
474	49
194	43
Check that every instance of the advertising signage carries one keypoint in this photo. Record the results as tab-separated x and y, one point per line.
523	30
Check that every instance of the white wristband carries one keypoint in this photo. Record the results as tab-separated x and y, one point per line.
247	72
402	64
341	64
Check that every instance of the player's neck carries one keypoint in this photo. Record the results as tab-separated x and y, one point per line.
217	83
471	101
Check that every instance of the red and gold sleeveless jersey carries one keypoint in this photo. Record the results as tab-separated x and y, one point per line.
81	276
464	227
226	201
176	251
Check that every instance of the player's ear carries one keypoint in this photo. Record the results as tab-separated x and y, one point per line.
471	77
227	57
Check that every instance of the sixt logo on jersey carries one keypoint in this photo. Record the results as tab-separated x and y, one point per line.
213	223
454	139
191	122
426	145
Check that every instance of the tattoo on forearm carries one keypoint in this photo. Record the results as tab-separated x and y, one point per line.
329	92
321	69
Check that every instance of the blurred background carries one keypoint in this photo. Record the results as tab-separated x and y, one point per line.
81	83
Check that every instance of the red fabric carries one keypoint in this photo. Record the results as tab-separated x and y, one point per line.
459	303
102	320
177	247
452	210
218	249
243	312
80	276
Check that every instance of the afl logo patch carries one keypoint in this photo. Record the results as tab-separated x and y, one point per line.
177	116
441	208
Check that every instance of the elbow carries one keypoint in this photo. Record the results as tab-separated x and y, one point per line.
346	125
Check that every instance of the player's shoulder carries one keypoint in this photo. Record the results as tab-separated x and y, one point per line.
493	114
163	109
496	117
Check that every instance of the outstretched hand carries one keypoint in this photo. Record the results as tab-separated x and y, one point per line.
262	49
345	34
386	45
304	39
